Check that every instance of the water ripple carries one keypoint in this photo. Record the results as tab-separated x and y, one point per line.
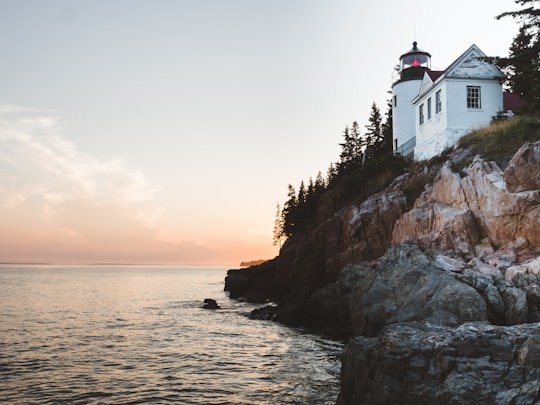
138	336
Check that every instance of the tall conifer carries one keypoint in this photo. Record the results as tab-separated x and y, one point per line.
522	66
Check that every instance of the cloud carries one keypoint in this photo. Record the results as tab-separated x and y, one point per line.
36	160
59	204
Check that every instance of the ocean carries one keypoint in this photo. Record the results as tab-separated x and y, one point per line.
138	335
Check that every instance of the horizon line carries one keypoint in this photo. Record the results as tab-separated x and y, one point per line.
115	264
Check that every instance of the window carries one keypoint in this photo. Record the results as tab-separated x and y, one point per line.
438	102
395	101
421	114
473	97
429	108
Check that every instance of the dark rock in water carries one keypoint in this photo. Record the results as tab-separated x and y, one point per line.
267	313
209	303
254	284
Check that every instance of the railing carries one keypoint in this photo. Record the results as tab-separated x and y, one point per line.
406	149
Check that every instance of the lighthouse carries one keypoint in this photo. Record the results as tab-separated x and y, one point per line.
412	66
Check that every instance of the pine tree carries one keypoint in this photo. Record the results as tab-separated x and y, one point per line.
387	130
320	184
351	149
302	193
358	143
311	189
373	135
522	66
278	227
290	212
529	15
347	151
331	174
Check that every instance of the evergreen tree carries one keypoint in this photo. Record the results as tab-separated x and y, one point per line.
290	212
358	143
373	135
311	190
302	193
351	149
522	66
320	184
387	131
278	227
529	15
347	151
331	174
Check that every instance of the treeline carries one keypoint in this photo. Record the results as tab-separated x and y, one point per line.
249	263
358	150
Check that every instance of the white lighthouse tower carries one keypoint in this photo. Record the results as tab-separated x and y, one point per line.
412	66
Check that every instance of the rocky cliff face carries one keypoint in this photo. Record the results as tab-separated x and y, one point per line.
430	293
417	363
469	214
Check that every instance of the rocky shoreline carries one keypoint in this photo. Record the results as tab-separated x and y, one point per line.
440	301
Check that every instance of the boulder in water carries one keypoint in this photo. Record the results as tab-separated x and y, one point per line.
210	303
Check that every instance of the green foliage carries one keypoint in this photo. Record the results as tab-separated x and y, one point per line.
290	213
502	139
387	130
279	224
371	178
374	128
522	66
351	149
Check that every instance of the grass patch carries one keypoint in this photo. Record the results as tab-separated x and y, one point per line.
502	139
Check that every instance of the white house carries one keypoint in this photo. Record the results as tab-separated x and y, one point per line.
446	104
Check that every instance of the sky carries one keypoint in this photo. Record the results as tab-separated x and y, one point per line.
166	131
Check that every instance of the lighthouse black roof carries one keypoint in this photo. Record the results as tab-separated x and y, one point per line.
415	51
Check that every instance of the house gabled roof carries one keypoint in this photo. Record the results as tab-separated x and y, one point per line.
471	64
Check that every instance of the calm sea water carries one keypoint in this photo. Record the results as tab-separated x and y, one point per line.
134	335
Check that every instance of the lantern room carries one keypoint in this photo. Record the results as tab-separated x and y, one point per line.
414	63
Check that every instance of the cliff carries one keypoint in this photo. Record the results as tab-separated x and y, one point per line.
442	295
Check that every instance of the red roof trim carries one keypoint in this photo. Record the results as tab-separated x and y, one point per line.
435	74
